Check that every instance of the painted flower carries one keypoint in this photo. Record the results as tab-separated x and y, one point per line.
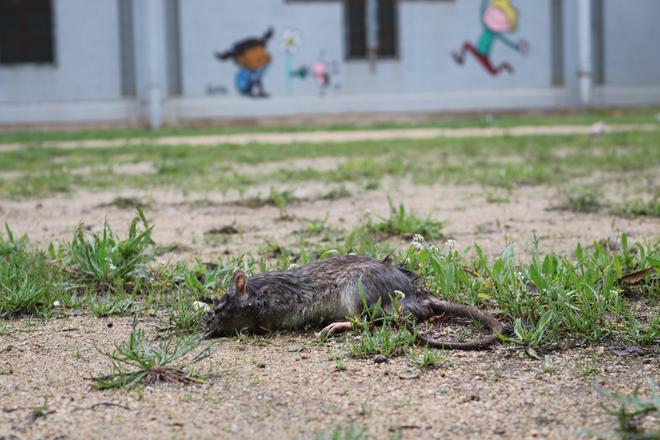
291	41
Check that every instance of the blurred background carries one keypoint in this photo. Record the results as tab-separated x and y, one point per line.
173	62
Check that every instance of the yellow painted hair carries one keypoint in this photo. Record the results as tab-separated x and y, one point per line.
508	9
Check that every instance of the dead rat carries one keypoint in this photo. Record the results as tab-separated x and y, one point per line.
327	291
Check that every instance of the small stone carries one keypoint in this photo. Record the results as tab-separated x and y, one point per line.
379	359
109	324
475	398
261	365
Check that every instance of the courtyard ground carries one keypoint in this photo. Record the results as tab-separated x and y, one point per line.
277	200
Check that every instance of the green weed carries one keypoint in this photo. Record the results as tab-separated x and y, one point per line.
380	331
137	362
638	208
631	410
352	432
117	305
28	282
405	224
428	359
551	300
581	199
107	262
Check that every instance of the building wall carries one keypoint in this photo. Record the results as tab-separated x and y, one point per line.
208	26
86	35
428	32
632	33
87	74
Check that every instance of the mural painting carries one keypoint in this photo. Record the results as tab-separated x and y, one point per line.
498	18
323	72
290	43
252	57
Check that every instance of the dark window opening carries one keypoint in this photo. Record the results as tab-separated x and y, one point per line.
26	31
355	21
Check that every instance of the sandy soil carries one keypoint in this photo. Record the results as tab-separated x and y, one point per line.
287	386
183	219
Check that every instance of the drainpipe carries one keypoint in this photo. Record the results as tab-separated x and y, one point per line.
153	34
371	23
584	43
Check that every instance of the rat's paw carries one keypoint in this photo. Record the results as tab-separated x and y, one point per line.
335	327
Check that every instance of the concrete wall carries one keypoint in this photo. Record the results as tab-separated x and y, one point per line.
86	35
208	26
428	32
632	33
424	77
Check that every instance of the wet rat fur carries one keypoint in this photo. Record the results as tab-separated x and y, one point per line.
326	291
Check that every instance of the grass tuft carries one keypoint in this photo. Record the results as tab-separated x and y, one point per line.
631	410
27	280
137	362
406	224
107	262
638	208
581	199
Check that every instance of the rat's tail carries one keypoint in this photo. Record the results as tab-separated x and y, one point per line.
439	306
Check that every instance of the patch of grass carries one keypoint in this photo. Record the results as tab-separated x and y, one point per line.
533	160
428	359
279	199
631	410
107	262
28	282
126	203
335	193
186	316
137	362
117	305
609	116
382	332
638	208
552	301
581	199
352	432
404	223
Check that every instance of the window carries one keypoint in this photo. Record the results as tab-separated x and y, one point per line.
26	31
356	28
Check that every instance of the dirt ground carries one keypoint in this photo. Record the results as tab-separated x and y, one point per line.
287	386
183	219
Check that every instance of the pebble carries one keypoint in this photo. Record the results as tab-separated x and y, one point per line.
379	359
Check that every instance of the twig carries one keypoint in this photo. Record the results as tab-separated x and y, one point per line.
99	404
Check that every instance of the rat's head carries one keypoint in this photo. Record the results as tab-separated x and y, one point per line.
500	16
235	312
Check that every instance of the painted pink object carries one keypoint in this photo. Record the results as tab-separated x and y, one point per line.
320	73
496	20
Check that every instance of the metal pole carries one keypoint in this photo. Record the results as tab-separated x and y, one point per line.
371	23
153	27
584	42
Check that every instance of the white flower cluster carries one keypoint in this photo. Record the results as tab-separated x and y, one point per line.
417	242
450	244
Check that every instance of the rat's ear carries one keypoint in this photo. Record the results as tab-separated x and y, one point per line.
240	282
